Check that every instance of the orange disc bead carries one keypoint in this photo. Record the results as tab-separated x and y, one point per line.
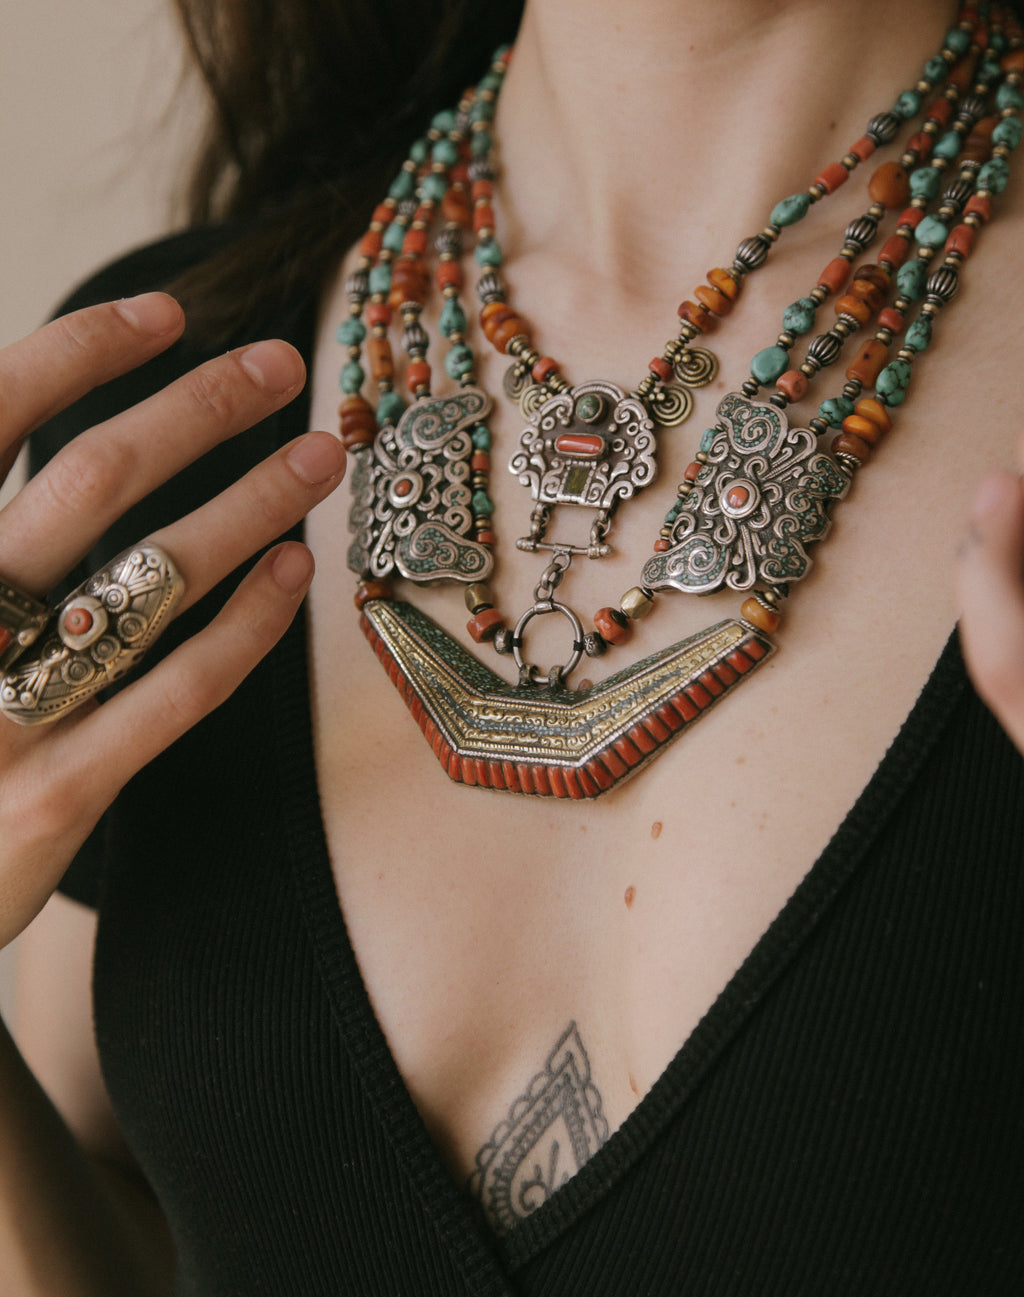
721	279
863	428
699	316
415	242
847	443
863	148
482	189
383	214
869	362
854	307
505	331
754	611
890	185
371	243
357	422
869	408
876	275
377	314
716	302
870	294
493	310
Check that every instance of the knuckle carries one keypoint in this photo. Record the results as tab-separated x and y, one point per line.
88	474
269	502
210	393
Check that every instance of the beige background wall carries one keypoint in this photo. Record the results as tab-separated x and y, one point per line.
94	119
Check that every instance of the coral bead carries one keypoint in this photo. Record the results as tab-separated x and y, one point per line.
449	275
890	185
834	175
378	314
543	369
835	275
613	625
961	239
457	209
485	625
891	319
417	375
661	368
895	251
793	384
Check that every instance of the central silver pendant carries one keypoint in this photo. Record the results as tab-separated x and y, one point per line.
592	445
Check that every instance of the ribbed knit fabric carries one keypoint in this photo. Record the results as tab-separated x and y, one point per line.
846	1121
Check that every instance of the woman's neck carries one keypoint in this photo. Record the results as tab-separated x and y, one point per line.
703	113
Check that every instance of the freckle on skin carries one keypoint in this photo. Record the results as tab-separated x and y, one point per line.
630	897
656	829
633	1085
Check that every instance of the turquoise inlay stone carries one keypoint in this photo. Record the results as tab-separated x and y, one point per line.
351	332
935	68
589	408
907	105
835	410
352	377
483	505
1008	96
419	152
931	232
403	186
958	40
707	440
924	182
674	512
481	142
948	146
1008	132
481	437
380	278
488	253
994	175
910	279
445	151
459	361
390	408
453	318
919	335
798	317
790	210
394	237
892	383
768	364
444	121
433	187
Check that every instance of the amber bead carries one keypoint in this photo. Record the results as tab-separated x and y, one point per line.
661	368
890	185
357	423
456	208
754	611
849	444
494	310
870	294
869	408
834	175
835	275
1013	62
863	428
721	279
417	375
895	251
612	625
378	352
853	306
367	590
485	625
504	332
869	361
793	384
716	302
977	148
449	275
961	239
961	74
699	316
876	275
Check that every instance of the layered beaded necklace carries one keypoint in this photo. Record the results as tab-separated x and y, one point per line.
758	493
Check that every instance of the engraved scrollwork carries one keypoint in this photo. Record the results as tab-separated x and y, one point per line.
761	499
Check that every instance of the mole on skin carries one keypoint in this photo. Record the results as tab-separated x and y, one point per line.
630	897
656	829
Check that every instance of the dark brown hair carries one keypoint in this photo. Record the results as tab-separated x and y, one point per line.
313	106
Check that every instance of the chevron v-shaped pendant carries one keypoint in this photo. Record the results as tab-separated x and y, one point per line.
554	742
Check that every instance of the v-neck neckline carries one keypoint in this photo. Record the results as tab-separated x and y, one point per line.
486	1260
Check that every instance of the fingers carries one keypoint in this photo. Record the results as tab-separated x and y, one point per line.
61	513
990	589
54	366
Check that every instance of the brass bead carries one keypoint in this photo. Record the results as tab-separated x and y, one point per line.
636	603
478	597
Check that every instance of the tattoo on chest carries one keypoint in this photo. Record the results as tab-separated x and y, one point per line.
550	1131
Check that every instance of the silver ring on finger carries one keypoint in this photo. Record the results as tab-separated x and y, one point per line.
22	621
100	631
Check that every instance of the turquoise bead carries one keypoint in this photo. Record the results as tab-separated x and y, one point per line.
488	253
708	440
768	364
419	152
482	110
958	40
483	505
380	278
445	152
403	186
490	82
481	143
931	232
459	361
835	410
948	146
988	73
444	121
907	105
433	187
394	237
390	408
994	175
1008	96
798	317
1008	132
919	335
997	42
935	68
910	279
351	332
673	513
892	382
352	377
790	210
453	318
924	182
481	437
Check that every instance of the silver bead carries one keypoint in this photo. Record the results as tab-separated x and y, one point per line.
490	288
503	641
752	252
414	338
594	644
943	284
357	286
883	128
860	232
824	350
449	241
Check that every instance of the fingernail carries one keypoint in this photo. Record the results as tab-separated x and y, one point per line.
292	569
275	367
153	313
317	457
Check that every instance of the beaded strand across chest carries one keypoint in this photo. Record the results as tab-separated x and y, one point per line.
759	492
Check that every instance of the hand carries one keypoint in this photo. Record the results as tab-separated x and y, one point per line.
990	589
57	779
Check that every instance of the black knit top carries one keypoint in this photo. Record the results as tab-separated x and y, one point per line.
846	1120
